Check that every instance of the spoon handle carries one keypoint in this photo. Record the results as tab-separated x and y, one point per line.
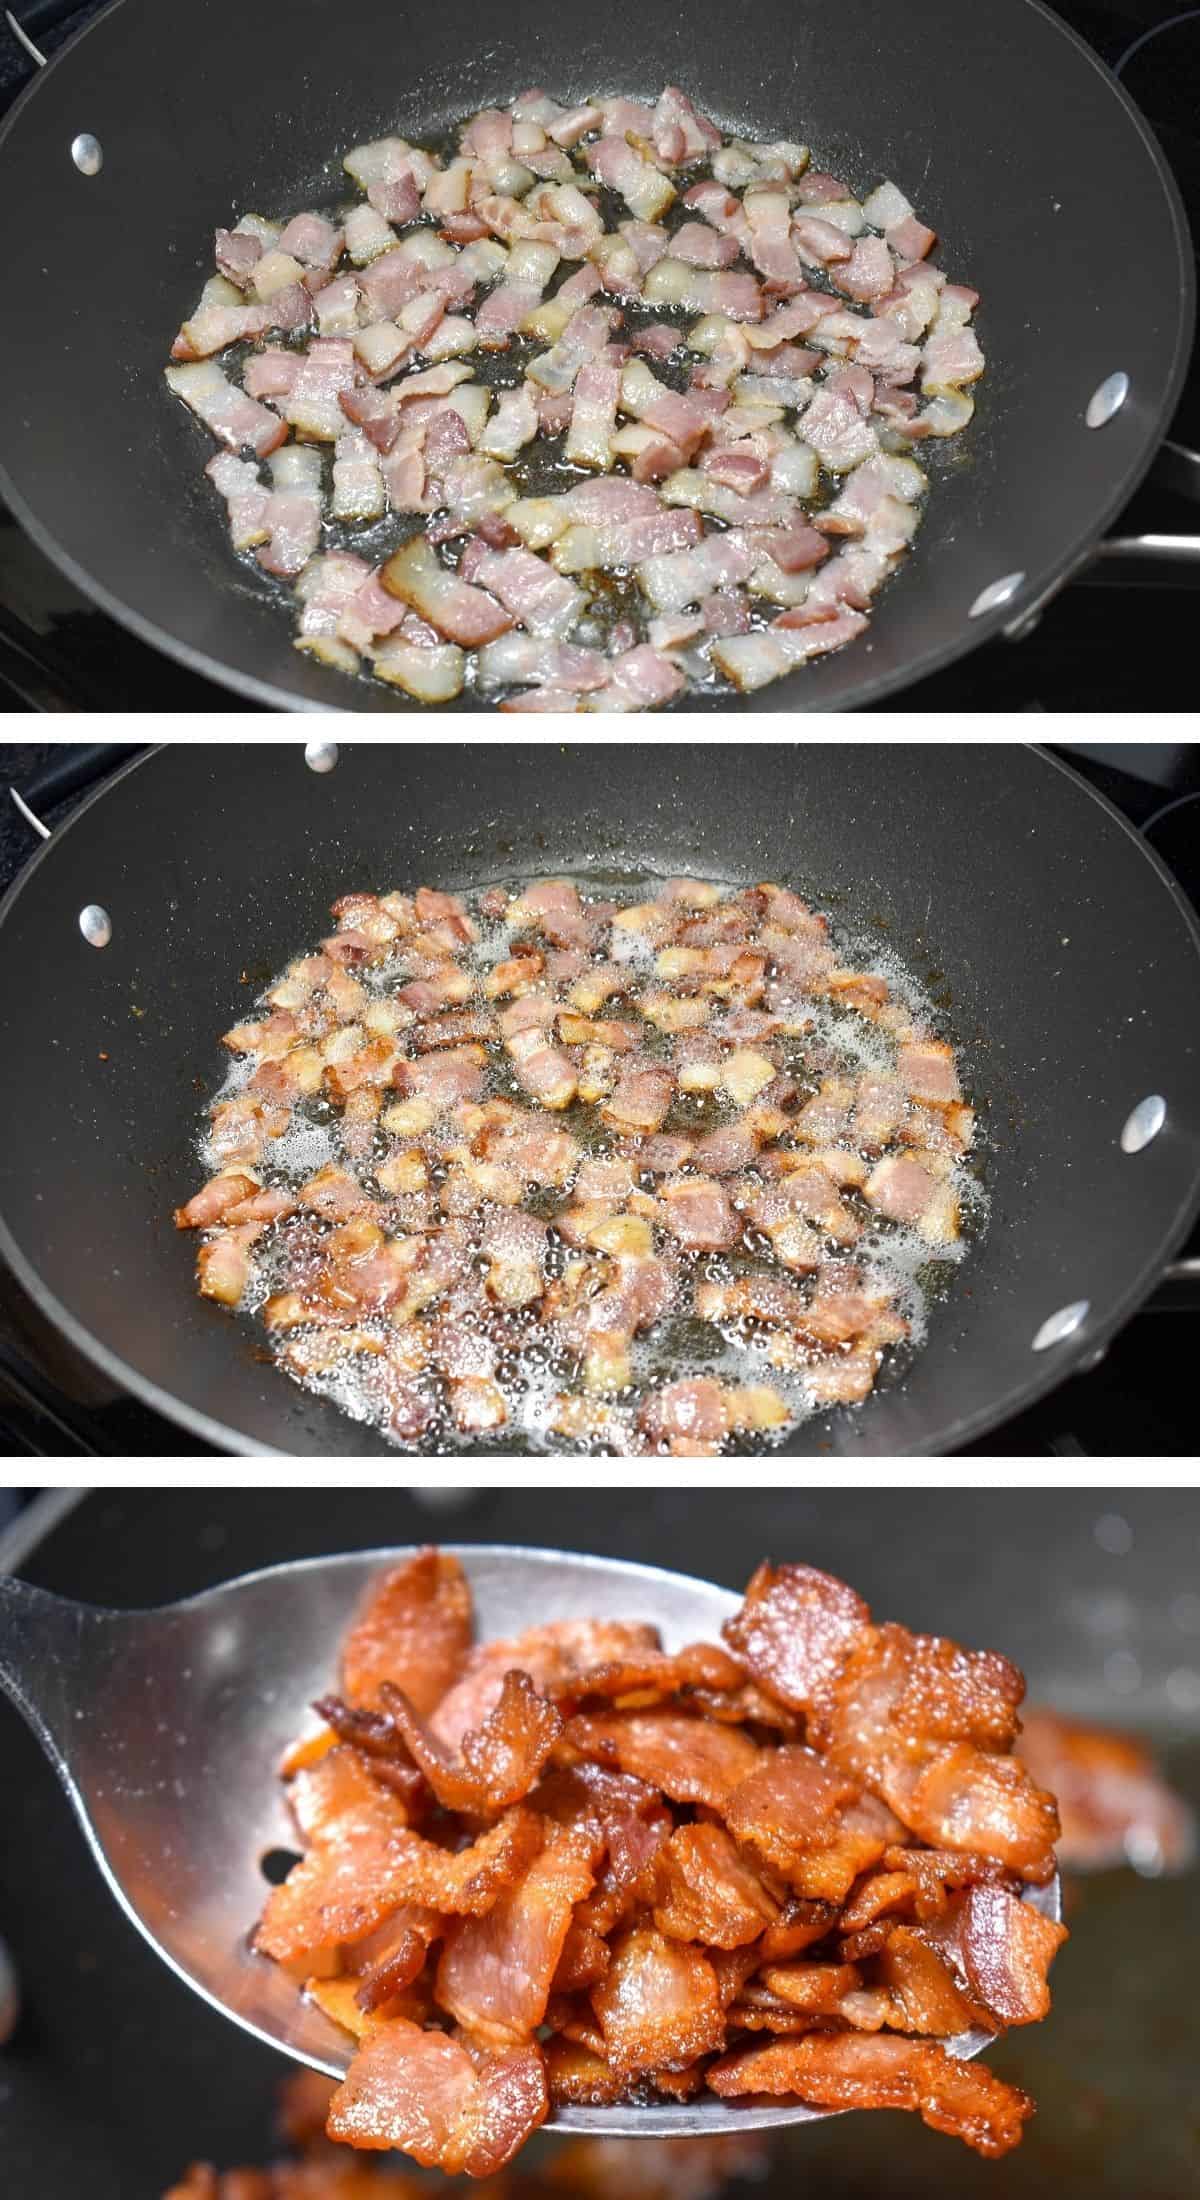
44	1643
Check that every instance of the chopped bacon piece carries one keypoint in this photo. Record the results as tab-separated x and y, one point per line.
553	1656
1001	1948
500	1759
658	2005
414	1633
237	420
461	2109
965	1798
795	1630
855	2071
689	1759
367	1864
705	1890
496	1971
641	1099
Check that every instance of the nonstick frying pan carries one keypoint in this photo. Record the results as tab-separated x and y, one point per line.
117	2065
1017	145
1068	959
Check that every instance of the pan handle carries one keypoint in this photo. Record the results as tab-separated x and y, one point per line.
1177	469
1177	1290
36	18
76	766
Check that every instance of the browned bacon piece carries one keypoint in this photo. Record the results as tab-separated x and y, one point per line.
499	1760
705	1890
449	2103
414	1633
658	2005
496	1972
691	1760
553	1656
855	2071
795	1630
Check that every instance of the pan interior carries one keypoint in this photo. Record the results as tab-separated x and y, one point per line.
1035	216
915	1275
1067	963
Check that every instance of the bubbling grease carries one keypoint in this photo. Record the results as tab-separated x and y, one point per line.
894	1258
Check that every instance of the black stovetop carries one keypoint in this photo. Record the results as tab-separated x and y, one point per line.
1139	1399
59	653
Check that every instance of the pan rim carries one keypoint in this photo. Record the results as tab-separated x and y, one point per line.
1067	1359
865	691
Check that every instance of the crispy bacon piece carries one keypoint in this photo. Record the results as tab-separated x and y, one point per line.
898	1691
705	1890
496	1972
553	1656
500	1759
414	1633
691	1760
854	2071
965	1798
367	1864
658	2005
1000	1947
795	1630
451	2104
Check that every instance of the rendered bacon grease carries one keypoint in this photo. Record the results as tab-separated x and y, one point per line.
653	1175
597	408
573	1868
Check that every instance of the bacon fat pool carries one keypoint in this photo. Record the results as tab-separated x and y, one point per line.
589	408
663	1167
576	1868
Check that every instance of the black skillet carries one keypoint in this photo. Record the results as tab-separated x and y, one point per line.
1068	961
118	2076
1049	191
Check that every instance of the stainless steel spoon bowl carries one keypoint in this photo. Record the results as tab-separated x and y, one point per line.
167	1726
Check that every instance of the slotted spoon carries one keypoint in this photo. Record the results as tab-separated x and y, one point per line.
167	1727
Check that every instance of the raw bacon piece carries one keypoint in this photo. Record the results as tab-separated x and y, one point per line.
645	190
545	603
235	419
293	513
464	614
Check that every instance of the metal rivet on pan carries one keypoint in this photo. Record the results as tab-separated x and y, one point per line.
1105	403
1058	1327
87	154
1143	1123
320	756
95	925
995	595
